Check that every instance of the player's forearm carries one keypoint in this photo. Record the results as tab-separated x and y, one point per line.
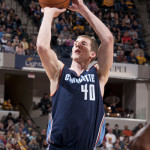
44	36
101	30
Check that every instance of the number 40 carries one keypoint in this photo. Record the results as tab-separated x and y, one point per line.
91	91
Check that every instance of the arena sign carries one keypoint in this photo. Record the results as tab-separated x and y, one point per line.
120	70
27	61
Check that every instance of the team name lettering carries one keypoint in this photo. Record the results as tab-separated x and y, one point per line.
86	78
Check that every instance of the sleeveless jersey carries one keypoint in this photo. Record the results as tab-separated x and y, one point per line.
77	119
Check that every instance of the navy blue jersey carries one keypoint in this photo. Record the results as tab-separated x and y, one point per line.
77	119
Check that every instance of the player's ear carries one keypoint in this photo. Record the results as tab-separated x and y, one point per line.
93	54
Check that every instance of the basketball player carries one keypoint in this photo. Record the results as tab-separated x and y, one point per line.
77	120
141	141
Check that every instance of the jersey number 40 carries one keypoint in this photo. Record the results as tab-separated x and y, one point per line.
88	91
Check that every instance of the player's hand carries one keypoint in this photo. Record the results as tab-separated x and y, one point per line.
54	11
77	5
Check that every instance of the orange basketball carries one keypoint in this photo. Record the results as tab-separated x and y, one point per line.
54	3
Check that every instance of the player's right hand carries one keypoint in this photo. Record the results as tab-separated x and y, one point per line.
53	10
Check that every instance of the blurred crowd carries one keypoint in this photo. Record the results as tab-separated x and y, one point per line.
119	16
117	139
13	38
21	134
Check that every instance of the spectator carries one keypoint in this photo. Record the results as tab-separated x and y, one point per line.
137	50
17	22
110	135
109	144
107	126
4	40
32	49
126	131
126	38
25	45
45	104
1	32
104	146
132	59
116	131
19	49
7	105
121	57
33	145
2	130
16	41
65	32
141	59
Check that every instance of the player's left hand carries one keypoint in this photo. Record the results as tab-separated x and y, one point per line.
77	5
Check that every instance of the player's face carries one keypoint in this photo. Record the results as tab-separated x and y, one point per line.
82	49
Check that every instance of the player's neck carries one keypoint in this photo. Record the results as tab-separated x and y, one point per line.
78	67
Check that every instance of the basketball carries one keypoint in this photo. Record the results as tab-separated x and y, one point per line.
55	3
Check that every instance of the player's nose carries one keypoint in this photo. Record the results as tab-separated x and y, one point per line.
78	44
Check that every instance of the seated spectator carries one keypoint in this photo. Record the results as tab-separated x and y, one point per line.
109	144
1	32
33	145
17	22
2	130
116	131
107	126
4	40
33	135
104	146
137	50
9	48
118	145
65	32
88	29
32	50
132	59
110	135
22	143
25	45
15	41
69	41
29	125
7	105
126	131
126	38
45	104
60	25
141	59
121	57
37	15
8	34
19	49
78	27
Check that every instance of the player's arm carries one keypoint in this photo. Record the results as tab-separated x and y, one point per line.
48	57
105	51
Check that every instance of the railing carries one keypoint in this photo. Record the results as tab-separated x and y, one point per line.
26	112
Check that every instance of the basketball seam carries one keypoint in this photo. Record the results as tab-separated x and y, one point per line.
54	4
